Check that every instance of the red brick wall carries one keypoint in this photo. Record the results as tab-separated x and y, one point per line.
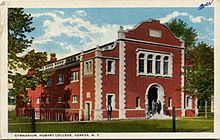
110	83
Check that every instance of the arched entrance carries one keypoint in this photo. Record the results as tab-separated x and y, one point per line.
154	94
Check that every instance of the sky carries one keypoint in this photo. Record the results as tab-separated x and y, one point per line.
66	31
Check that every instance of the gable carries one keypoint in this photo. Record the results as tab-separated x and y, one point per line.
153	31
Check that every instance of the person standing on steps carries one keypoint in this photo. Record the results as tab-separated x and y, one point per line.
158	106
109	110
153	107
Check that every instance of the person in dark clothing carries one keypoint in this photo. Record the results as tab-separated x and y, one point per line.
158	107
109	110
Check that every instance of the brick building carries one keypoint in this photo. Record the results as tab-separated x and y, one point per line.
143	65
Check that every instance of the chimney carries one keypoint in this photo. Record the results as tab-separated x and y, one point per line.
155	21
53	57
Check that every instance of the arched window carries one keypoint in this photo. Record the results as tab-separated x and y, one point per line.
149	63
141	63
158	64
165	65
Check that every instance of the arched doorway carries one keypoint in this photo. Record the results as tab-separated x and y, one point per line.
154	93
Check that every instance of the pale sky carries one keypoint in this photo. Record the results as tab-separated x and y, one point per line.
68	31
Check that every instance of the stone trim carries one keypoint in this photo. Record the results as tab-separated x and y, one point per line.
81	87
98	86
122	79
182	80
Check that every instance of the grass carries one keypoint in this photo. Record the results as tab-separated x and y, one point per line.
196	124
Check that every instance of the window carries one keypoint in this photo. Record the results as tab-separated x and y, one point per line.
141	63
149	63
47	100
154	63
165	65
48	82
60	79
74	76
60	100
155	33
169	102
158	64
138	102
189	102
38	100
87	94
88	67
110	66
75	99
110	100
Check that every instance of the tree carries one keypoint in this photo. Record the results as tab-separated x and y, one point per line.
188	34
201	73
19	25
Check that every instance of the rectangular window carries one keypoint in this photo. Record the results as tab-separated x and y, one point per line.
138	102
38	100
110	100
75	99
74	76
48	82
169	102
189	102
60	79
60	100
88	67
155	33
110	68
47	100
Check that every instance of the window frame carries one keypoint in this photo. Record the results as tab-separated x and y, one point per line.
74	99
59	99
167	63
58	82
113	103
112	66
73	75
138	102
188	104
88	67
150	69
38	100
141	59
158	65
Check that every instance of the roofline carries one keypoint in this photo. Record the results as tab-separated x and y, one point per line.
87	51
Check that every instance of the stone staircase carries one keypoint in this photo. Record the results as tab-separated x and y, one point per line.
160	117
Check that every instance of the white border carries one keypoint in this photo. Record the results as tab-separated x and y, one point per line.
104	4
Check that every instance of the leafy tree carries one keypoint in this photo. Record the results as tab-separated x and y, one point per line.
188	34
201	73
19	25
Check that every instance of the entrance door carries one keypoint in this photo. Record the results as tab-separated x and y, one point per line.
152	97
87	111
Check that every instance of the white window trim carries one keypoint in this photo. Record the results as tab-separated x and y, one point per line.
47	85
162	55
59	98
113	67
188	107
86	72
47	100
113	100
88	93
62	81
38	100
73	101
74	80
170	102
139	107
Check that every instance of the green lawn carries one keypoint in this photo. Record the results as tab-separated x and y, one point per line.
197	124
